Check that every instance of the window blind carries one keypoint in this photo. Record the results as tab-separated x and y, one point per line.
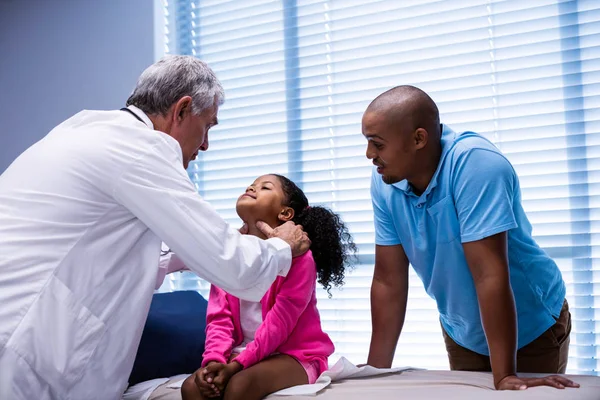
299	74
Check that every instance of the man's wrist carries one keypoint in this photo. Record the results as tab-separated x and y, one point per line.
499	377
379	362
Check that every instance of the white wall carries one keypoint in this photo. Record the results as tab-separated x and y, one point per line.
58	57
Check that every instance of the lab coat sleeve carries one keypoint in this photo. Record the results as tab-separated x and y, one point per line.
167	265
158	191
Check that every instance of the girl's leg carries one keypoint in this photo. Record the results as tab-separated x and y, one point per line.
189	391
270	375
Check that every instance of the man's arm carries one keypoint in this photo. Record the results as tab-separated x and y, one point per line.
485	187
488	262
172	263
389	294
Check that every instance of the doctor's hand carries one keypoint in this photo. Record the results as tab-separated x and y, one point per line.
513	382
290	233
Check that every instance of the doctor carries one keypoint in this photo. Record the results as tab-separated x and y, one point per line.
82	216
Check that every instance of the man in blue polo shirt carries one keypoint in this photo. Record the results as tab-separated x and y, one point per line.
450	204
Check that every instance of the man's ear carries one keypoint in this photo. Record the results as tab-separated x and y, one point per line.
287	214
420	137
183	107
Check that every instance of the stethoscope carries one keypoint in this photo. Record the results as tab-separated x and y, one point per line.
134	114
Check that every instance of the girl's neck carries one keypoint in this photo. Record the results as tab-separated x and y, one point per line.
254	231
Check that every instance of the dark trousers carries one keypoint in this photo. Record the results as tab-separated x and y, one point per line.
548	353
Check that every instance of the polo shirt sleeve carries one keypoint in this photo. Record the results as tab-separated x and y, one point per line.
484	188
385	231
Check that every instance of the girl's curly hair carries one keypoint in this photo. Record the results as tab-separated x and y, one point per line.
332	246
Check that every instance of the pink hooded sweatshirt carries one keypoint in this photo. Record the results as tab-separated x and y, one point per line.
291	322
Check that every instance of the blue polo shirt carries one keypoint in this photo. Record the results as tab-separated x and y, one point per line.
474	194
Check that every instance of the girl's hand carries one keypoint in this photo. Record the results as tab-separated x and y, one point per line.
201	382
225	373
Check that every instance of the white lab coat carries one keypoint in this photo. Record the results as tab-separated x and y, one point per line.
82	216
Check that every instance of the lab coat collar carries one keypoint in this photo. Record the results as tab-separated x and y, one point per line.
142	115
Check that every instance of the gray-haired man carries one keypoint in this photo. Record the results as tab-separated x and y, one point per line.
82	216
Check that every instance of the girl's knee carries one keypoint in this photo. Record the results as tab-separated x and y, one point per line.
240	387
189	391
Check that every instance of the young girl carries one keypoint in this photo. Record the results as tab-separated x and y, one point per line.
254	349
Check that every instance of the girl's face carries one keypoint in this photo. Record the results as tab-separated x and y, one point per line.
264	201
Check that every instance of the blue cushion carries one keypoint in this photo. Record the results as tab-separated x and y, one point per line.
173	339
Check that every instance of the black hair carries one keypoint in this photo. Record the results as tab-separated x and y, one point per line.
332	246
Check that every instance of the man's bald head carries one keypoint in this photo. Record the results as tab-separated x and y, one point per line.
402	127
409	108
